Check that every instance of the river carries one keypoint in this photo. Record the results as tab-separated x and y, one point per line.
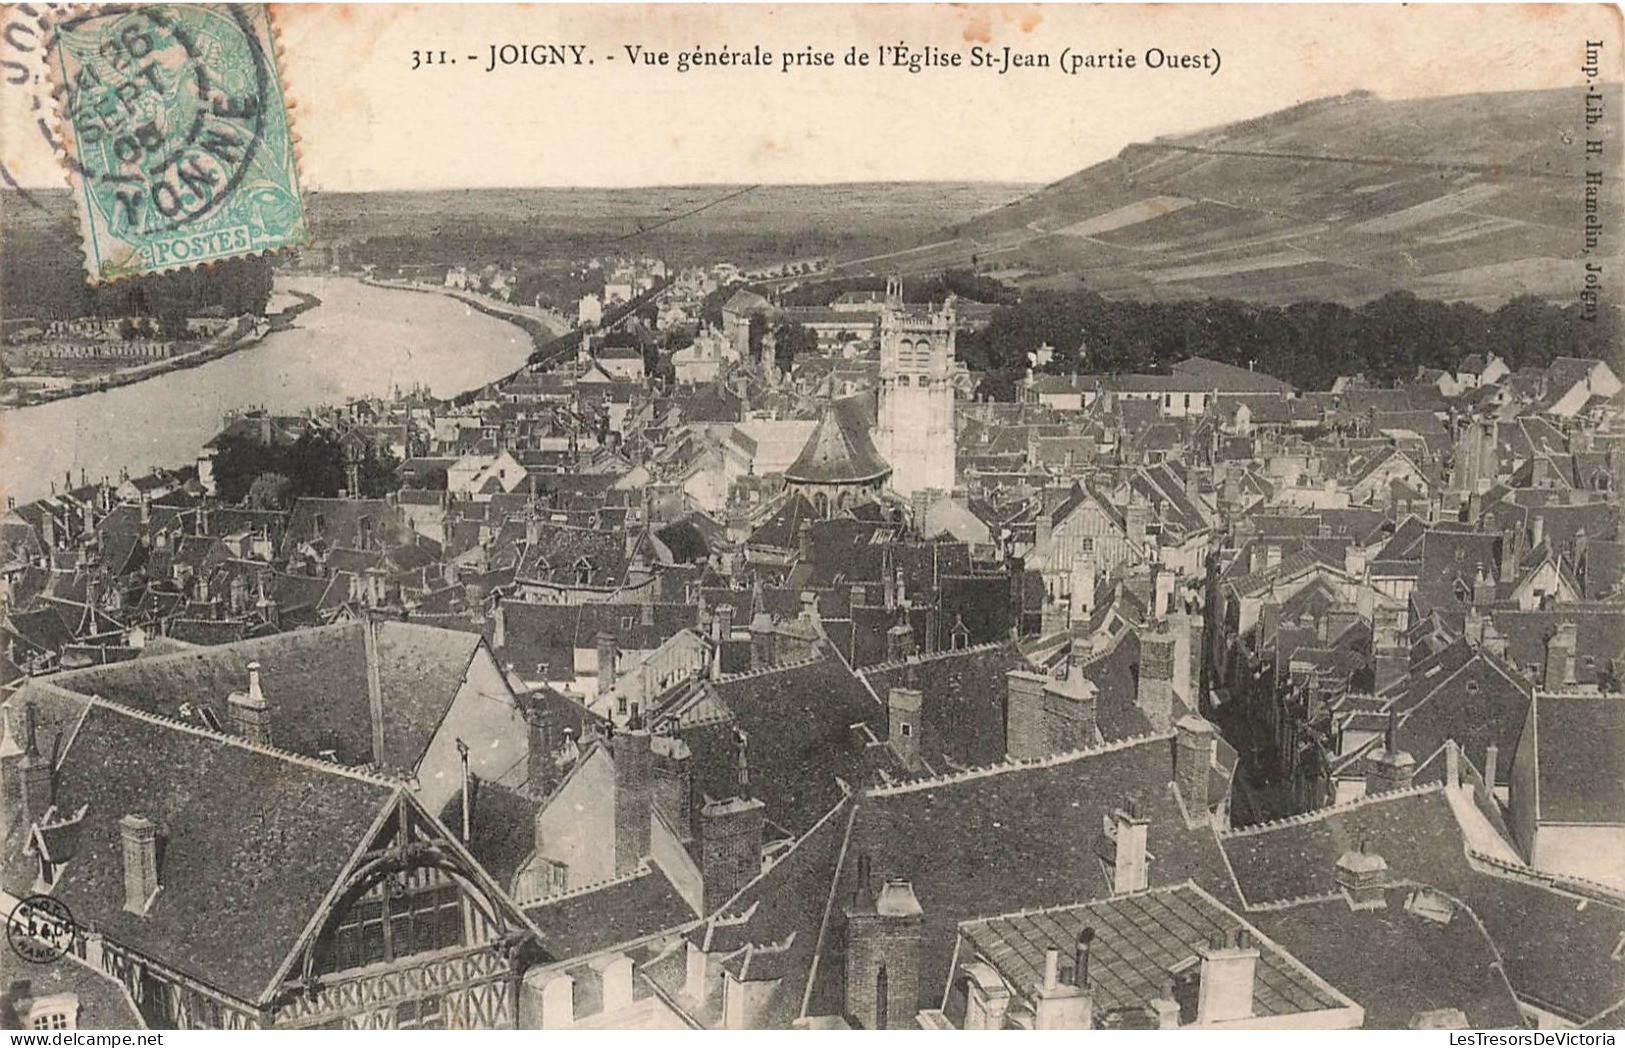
361	341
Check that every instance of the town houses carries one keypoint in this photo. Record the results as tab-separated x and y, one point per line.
760	677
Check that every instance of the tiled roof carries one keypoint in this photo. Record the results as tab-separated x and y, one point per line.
315	682
251	843
1137	939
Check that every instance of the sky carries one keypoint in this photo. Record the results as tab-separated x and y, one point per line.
367	120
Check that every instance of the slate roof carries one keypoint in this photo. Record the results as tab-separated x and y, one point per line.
799	724
1557	946
1473	699
1598	629
610	914
1580	742
1015	836
236	865
1395	963
501	824
962	712
839	450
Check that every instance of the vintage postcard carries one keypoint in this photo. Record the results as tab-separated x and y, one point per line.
818	517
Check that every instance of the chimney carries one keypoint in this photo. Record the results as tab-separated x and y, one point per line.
1137	518
809	606
673	790
1362	876
730	848
1229	968
247	713
648	617
1389	768
883	941
499	627
1024	733
1130	862
695	964
634	787
1070	706
1162	591
899	642
1196	743
1492	757
614	973
1083	586
903	726
1154	690
140	841
36	773
1483	588
724	623
607	653
1539	531
1390	647
539	764
1062	1001
1560	651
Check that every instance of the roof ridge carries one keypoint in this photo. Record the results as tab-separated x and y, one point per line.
376	778
195	650
1597	890
729	678
1333	809
1048	761
1299	900
990	645
643	870
1034	911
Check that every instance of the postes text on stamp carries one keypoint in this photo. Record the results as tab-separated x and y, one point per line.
40	929
177	136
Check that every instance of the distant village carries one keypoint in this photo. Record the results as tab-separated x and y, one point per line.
697	683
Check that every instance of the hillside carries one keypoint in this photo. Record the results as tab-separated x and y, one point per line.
1474	198
41	274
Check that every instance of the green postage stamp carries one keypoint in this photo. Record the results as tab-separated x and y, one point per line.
177	136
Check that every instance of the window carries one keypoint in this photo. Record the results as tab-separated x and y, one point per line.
391	921
424	1014
51	1021
908	729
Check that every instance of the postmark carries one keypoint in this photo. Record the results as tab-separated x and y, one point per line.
176	136
40	929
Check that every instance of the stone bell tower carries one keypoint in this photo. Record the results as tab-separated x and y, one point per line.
914	420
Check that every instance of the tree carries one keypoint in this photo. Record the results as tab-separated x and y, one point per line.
270	491
377	473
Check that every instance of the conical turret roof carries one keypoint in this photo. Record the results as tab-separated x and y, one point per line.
839	450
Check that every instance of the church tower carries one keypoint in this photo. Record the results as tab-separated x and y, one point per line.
914	420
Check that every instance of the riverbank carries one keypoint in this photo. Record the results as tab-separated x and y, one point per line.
243	333
541	331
